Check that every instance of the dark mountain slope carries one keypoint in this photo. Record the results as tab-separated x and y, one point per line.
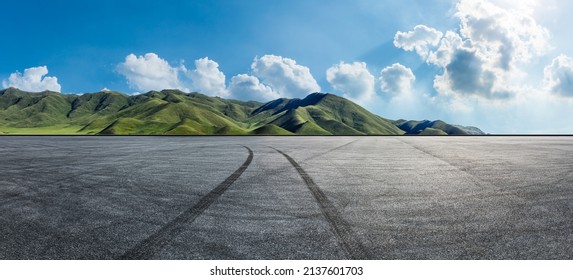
438	127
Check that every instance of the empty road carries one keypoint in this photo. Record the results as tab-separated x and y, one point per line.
286	197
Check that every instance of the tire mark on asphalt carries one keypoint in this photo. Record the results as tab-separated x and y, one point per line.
475	179
341	228
461	169
329	151
499	190
146	248
281	169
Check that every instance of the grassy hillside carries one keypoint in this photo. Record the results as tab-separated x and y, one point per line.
165	112
325	114
172	112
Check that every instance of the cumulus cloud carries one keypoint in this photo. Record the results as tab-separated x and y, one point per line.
506	35
207	78
284	75
150	72
353	80
34	79
466	74
483	58
420	39
271	77
396	79
249	87
558	76
449	44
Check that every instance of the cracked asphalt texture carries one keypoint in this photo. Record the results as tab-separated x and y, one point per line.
388	197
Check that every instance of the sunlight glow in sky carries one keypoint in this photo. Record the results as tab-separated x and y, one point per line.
504	66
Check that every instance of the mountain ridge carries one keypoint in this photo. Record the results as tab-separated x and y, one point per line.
173	112
437	127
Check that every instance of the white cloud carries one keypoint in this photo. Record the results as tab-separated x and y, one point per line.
33	80
558	76
484	58
150	72
284	75
396	79
468	73
247	87
526	6
489	71
272	77
446	49
353	80
207	78
420	39
506	35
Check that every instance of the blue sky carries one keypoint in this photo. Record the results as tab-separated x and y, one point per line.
488	63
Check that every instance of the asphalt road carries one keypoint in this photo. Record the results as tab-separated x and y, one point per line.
286	198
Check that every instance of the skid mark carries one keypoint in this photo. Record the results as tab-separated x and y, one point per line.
148	247
329	151
341	228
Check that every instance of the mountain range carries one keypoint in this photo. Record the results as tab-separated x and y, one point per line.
173	112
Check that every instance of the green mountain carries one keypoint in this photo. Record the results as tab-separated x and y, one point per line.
165	112
322	114
172	112
438	127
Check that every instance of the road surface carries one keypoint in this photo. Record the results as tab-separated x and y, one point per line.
286	198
